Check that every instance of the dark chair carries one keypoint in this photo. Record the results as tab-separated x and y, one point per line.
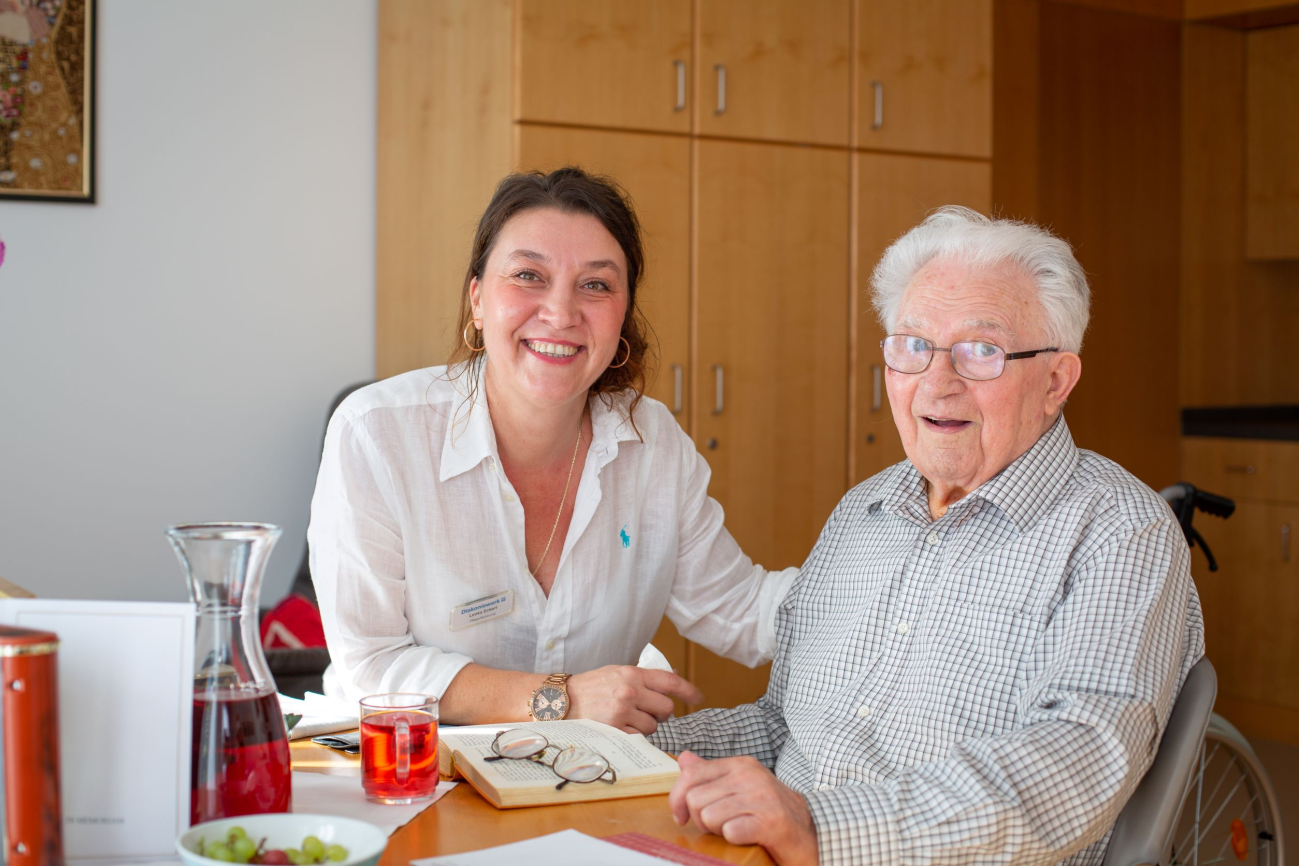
298	671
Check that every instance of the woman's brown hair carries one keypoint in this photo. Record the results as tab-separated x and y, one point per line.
569	190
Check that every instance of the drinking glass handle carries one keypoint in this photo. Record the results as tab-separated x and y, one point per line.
403	750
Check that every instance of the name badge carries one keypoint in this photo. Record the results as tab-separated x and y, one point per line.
481	610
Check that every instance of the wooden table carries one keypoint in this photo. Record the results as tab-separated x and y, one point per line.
463	821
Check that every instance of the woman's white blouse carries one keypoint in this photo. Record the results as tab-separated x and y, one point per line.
413	517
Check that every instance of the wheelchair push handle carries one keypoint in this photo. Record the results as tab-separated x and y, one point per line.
1184	499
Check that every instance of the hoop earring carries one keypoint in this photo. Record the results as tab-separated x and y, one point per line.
464	335
624	360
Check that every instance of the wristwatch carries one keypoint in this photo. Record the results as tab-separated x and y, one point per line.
549	702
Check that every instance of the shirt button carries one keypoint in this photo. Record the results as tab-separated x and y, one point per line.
508	497
823	787
932	538
863	711
550	644
903	628
491	464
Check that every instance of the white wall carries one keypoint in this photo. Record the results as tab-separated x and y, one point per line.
169	353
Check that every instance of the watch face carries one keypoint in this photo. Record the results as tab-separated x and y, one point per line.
549	703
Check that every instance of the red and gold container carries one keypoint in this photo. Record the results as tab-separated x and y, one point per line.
29	725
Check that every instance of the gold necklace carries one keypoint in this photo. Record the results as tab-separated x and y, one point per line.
562	500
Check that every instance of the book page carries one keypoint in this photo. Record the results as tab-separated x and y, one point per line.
630	755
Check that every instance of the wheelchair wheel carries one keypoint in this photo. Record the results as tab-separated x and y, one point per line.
1230	812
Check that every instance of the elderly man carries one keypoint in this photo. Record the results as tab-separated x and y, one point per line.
978	658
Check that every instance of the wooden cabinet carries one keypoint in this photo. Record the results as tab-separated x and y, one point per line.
617	64
655	171
774	70
771	378
1272	143
1252	602
924	76
893	194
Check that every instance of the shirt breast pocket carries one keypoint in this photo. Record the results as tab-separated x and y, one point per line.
975	653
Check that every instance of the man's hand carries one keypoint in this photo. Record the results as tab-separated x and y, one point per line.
743	802
629	698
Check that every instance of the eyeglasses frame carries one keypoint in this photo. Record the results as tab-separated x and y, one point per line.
537	757
933	349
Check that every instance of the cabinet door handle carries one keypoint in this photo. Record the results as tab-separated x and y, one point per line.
721	88
878	120
1242	470
681	85
877	387
1285	542
719	385
678	376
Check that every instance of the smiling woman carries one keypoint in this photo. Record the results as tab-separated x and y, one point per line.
526	510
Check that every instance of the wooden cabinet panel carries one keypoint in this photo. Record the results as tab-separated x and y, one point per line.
655	171
894	193
772	315
787	68
1272	144
1242	469
924	76
1251	610
604	64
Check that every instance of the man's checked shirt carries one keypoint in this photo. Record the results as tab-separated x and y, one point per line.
988	687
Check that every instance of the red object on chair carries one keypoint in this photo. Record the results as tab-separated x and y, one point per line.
294	623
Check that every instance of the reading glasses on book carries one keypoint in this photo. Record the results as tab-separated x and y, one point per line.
572	764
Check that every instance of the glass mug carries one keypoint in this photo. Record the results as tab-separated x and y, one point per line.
399	747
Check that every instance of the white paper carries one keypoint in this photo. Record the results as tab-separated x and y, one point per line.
126	679
320	715
321	794
566	848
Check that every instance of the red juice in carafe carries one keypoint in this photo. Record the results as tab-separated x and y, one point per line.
240	757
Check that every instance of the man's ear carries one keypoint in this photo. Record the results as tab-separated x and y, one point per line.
1066	370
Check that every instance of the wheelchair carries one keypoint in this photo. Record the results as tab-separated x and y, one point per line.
1206	798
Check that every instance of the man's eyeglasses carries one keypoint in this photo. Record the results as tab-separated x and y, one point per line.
972	359
573	764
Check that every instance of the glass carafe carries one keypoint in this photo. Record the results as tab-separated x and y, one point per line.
240	763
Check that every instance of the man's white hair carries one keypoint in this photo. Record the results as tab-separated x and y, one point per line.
969	237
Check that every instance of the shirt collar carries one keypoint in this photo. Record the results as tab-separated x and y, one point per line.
470	437
1022	491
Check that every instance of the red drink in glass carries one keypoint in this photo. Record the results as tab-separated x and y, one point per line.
240	756
399	748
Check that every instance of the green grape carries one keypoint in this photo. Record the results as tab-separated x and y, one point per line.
219	851
313	848
295	856
237	833
337	853
244	849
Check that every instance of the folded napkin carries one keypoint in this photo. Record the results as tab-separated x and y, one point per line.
320	715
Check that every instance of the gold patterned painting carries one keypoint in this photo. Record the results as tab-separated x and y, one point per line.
47	99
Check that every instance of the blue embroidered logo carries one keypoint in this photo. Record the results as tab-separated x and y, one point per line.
626	539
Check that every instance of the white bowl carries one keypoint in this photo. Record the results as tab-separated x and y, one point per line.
364	841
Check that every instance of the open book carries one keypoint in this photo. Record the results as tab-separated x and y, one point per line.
642	769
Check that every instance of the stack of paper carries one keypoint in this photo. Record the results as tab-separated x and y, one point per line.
320	715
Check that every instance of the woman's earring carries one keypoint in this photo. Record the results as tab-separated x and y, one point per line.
624	360
464	335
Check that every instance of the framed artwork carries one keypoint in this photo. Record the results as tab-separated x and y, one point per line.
47	99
